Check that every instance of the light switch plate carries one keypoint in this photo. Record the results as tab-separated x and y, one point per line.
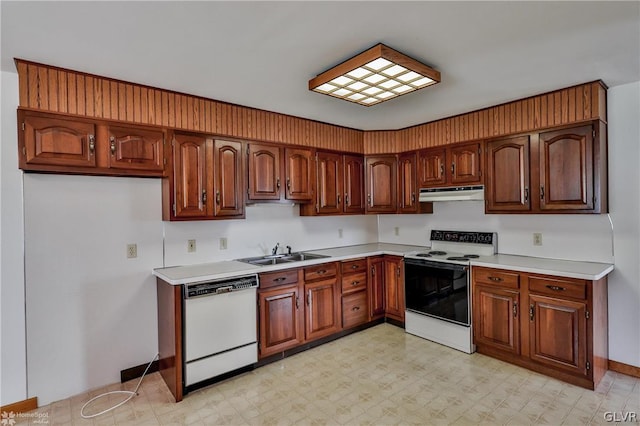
191	246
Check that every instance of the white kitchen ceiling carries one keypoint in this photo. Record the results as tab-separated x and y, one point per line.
262	54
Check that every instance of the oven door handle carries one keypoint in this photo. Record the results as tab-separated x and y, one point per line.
436	265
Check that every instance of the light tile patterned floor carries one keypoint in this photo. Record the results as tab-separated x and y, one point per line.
380	376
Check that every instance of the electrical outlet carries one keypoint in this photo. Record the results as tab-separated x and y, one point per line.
396	230
132	251
339	232
223	243
191	246
537	239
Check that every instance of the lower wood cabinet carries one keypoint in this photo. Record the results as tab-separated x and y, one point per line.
280	322
376	287
354	293
394	287
553	325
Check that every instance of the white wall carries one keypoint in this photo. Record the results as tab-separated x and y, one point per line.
264	226
91	311
624	201
13	365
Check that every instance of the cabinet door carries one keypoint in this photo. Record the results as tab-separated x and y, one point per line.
407	179
381	184
322	315
329	183
375	283
431	168
228	181
496	313
59	142
507	180
189	171
264	172
558	333
299	172
566	169
353	184
280	319
135	149
394	288
465	164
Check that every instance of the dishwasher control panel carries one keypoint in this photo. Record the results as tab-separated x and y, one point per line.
227	285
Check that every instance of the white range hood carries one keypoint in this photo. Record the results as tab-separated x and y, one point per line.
456	193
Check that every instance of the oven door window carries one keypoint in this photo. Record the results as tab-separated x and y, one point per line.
440	291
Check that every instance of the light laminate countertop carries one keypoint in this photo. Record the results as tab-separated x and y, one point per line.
178	275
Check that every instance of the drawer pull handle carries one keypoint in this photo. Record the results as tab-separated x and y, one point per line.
532	312
355	283
279	279
515	310
92	144
354	266
496	279
322	272
355	308
297	302
556	288
112	139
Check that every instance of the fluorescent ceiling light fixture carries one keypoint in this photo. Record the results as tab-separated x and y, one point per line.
373	76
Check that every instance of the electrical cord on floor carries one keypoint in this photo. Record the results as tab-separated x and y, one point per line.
130	393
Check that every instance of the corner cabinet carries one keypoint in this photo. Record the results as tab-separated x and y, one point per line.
339	185
277	173
559	171
63	144
553	325
206	179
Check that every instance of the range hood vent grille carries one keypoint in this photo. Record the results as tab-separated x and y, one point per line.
456	193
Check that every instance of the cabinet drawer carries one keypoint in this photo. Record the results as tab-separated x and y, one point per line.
354	266
354	309
496	277
354	282
320	271
558	287
273	279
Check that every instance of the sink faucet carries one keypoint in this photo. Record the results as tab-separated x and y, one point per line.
289	250
275	249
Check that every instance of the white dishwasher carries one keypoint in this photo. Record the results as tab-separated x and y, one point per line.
219	327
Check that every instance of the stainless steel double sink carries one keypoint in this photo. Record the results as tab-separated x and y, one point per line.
277	259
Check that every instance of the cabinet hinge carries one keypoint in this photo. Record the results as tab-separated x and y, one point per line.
588	365
586	314
23	126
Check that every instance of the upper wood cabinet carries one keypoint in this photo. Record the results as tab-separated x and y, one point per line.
459	164
339	185
566	169
57	143
381	184
507	181
408	191
135	149
270	181
206	181
560	171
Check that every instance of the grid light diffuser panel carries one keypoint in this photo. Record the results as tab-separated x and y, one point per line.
375	76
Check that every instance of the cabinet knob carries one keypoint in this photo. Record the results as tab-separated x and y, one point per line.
413	198
218	197
441	169
346	199
515	310
92	144
541	192
496	279
297	302
278	183
354	266
288	184
354	283
355	308
338	199
556	288
526	194
532	312
204	196
453	169
112	141
279	279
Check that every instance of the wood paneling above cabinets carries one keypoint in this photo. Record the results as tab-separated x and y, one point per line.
47	88
582	103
